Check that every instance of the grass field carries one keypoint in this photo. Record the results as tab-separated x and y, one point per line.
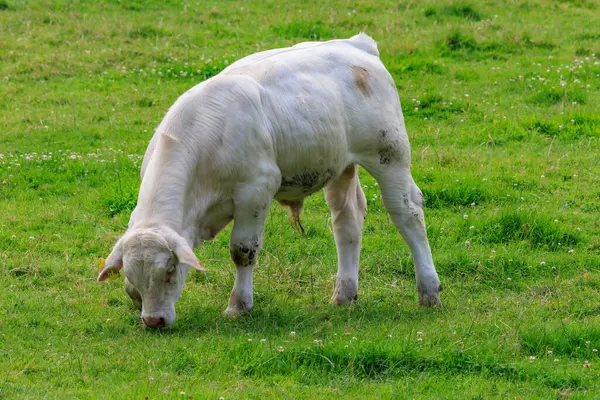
501	100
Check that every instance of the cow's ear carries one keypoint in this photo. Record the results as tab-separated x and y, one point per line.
184	253
187	257
113	263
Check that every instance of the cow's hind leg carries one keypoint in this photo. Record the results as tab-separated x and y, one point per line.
348	207
251	205
404	202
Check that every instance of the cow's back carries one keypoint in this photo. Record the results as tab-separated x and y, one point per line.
321	101
311	108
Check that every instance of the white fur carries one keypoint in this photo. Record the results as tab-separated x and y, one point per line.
282	124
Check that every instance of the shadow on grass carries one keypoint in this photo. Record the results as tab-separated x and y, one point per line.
270	318
377	362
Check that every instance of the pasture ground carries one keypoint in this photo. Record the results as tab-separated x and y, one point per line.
501	100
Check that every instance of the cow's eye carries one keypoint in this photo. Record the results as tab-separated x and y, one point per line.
170	272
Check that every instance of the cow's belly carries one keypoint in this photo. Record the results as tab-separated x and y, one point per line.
303	184
306	172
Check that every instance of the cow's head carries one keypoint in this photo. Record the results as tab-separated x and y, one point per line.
155	261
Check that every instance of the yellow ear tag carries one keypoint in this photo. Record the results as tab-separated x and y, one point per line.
112	274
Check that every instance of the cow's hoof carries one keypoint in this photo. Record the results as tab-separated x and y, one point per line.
429	295
235	312
430	300
237	306
346	291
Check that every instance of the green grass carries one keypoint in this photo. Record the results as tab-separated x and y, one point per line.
501	101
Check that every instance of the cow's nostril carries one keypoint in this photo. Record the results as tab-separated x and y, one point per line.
162	321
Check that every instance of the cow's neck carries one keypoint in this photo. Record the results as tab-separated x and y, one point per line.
165	185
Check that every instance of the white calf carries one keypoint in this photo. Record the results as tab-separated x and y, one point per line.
279	124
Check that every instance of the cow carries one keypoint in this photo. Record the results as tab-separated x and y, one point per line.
279	124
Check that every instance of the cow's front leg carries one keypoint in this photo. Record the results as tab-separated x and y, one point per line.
251	202
348	206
